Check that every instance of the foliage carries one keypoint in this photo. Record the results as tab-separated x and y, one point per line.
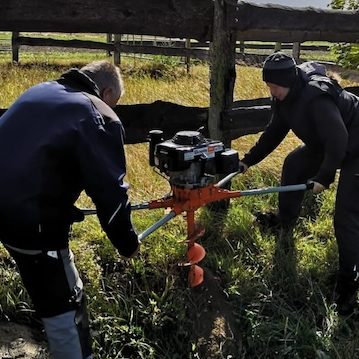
347	54
345	4
14	301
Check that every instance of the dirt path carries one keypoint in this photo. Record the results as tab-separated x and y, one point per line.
19	341
215	330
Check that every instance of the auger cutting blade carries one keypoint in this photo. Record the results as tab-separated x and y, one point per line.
195	276
195	253
198	233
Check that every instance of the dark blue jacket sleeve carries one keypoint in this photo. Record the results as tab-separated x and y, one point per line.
100	154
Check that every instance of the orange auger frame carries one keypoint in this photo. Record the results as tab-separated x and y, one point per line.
188	200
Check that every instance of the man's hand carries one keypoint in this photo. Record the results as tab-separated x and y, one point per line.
317	187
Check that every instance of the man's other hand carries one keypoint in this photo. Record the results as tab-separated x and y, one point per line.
317	187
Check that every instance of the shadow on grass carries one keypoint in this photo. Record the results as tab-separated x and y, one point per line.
282	295
284	273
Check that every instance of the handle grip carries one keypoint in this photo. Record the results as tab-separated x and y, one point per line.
310	184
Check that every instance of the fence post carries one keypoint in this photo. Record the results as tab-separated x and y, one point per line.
277	46
109	41
15	46
141	44
241	47
222	55
296	51
188	58
117	53
222	71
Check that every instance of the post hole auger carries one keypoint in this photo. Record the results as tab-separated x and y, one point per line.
190	162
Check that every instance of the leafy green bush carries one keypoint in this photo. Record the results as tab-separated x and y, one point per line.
347	54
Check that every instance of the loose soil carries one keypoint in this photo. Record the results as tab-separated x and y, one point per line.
19	341
216	330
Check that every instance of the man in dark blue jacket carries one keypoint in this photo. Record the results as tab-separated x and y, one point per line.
58	139
326	118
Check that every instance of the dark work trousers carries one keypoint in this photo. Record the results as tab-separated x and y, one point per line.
300	165
53	283
346	222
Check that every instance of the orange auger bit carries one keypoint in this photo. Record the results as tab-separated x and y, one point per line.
188	200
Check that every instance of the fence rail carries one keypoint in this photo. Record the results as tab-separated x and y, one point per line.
189	49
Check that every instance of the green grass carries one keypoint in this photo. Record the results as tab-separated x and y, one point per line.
142	308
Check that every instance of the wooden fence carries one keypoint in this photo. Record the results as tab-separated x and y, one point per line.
187	48
221	22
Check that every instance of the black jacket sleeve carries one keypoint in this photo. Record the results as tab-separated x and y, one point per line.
272	136
333	137
101	157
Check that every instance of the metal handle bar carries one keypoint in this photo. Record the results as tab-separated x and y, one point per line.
251	192
156	225
226	179
88	211
135	207
289	188
149	230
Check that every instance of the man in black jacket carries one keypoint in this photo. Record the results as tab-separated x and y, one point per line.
58	139
326	118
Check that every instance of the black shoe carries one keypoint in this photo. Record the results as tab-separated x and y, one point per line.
346	304
268	220
345	295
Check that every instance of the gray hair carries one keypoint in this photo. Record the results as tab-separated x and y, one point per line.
105	75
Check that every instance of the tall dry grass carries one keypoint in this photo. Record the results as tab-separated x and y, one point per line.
140	308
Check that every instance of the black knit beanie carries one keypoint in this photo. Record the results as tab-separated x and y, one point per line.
280	69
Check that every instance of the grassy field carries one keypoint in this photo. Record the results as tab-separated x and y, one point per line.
143	308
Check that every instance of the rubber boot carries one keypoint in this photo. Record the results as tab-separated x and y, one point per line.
345	294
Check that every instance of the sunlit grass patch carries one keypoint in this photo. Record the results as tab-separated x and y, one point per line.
140	307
